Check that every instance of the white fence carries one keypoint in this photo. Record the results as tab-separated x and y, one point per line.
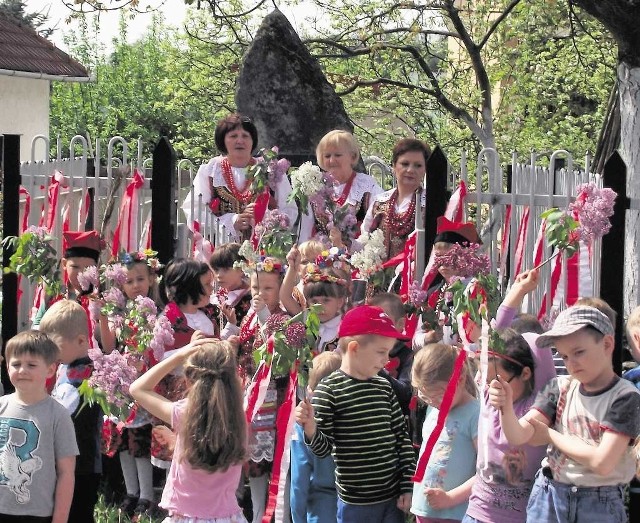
534	186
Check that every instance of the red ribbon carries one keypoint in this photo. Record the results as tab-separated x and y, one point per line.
127	216
445	407
262	201
27	209
259	382
506	240
284	425
522	240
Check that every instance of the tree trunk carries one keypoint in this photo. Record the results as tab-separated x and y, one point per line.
629	88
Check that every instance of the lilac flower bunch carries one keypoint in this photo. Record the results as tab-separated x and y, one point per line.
163	336
593	208
109	383
465	260
310	184
293	344
344	219
268	170
275	237
115	272
416	296
89	278
35	258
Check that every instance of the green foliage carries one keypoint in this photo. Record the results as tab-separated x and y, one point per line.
287	353
35	258
560	230
94	395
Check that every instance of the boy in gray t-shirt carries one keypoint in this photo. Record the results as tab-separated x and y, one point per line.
37	439
588	419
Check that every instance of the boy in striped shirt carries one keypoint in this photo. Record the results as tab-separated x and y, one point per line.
358	420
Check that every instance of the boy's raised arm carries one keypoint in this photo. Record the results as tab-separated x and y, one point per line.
65	481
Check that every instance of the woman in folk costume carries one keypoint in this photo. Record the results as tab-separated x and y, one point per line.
338	153
224	183
81	250
394	211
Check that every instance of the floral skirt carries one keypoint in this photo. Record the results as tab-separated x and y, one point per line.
178	518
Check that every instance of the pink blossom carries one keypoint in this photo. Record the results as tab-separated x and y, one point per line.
464	260
115	297
117	273
146	305
112	374
163	336
88	278
593	208
296	334
417	296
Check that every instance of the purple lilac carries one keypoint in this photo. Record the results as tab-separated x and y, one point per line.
593	208
89	277
464	260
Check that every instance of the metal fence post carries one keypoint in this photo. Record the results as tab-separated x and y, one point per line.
163	200
437	196
10	167
612	271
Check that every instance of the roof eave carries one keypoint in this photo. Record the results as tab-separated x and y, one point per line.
45	76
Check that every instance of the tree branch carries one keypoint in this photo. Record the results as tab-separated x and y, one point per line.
497	22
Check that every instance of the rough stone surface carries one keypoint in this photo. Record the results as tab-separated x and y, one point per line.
283	89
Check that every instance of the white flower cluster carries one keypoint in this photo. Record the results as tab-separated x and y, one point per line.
369	259
307	179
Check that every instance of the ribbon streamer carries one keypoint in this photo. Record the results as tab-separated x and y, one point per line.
124	236
445	407
262	201
284	428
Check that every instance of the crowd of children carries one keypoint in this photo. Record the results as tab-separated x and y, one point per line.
527	444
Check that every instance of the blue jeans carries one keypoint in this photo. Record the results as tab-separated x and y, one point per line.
385	512
469	519
554	502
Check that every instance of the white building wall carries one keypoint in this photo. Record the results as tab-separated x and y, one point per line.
24	110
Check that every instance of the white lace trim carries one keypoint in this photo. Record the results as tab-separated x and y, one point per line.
386	195
362	184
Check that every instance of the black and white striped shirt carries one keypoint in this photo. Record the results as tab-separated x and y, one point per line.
360	422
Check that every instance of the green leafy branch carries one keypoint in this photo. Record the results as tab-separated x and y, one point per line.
35	258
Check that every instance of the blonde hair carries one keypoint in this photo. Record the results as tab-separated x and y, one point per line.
311	249
435	362
337	138
323	365
214	432
67	319
633	323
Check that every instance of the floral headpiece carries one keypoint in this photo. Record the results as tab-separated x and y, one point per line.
148	256
313	274
334	257
257	261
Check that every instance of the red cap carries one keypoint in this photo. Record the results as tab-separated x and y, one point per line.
456	231
86	244
368	319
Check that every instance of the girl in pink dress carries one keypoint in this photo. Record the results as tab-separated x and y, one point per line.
211	432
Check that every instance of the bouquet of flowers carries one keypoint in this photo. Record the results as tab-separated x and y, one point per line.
309	182
344	220
139	330
468	298
35	258
268	170
109	383
588	219
290	345
369	259
274	234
